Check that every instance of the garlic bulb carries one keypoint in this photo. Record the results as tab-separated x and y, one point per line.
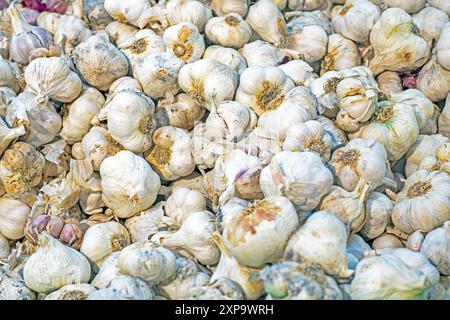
386	241
51	78
120	31
183	202
430	21
408	6
444	119
6	96
439	161
4	247
389	82
392	276
121	84
364	159
415	240
8	135
424	203
278	213
183	112
171	154
261	54
98	144
394	125
99	62
266	19
357	247
103	239
124	287
229	31
222	288
237	174
299	281
441	4
229	268
194	236
356	19
109	270
397	47
435	248
131	121
77	120
226	56
322	240
145	224
299	71
291	174
4	45
147	261
348	206
196	12
134	12
21	168
129	184
205	78
139	45
9	75
72	292
158	74
12	287
338	137
70	32
378	211
187	277
184	41
55	265
342	53
224	7
443	47
434	80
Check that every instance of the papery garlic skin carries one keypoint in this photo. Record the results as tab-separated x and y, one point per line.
131	121
77	120
171	154
72	292
261	54
129	184
444	119
140	45
182	202
206	78
103	239
360	159
441	4
132	12
4	247
397	47
183	112
415	240
145	224
338	136
55	265
109	270
12	287
184	41
224	7
265	19
147	261
322	240
434	80
99	62
158	74
290	174
443	47
299	71
229	31
6	96
408	6
273	220
52	78
423	204
389	82
378	210
435	248
120	31
8	135
430	22
9	75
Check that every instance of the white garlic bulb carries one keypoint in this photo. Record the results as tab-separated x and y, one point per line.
397	47
435	248
183	112
124	287
261	54
206	78
415	240
171	154
7	135
131	121
229	31
129	184
147	261
224	7
194	236
123	83
308	136
103	239
100	62
389	82
423	204
266	19
299	71
184	41
72	292
140	44
12	287
307	5
70	32
134	12
408	6
21	168
158	74
322	240
55	265
270	221
443	47
356	19
195	12
145	224
183	202
51	78
434	80
78	116
91	201
378	211
441	4
338	137
226	56
9	75
291	174
342	53
4	247
360	159
120	31
109	270
430	21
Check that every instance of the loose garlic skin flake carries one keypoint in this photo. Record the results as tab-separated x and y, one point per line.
229	31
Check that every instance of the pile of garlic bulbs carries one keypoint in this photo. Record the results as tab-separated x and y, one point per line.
225	149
